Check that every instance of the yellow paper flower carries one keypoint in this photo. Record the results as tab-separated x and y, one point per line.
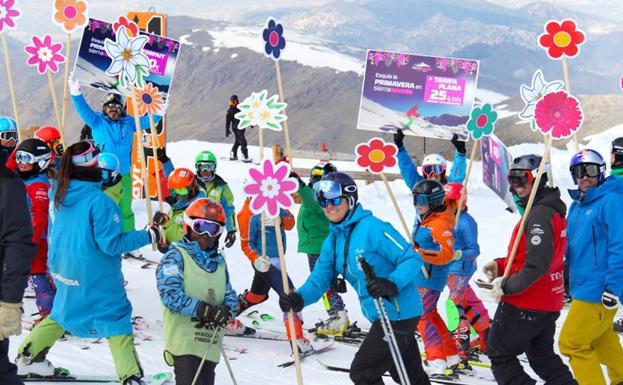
70	14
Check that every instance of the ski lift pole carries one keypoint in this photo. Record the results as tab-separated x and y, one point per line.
390	337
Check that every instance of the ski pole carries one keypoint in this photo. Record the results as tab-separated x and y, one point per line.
203	359
387	327
231	372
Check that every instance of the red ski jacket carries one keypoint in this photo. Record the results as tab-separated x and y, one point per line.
37	191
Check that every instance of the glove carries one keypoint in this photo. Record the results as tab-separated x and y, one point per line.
292	301
270	222
227	133
399	137
458	255
163	247
262	264
74	86
496	290
458	144
212	315
230	239
609	300
160	218
491	270
381	287
161	154
10	319
155	233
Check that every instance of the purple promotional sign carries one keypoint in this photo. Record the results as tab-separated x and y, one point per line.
422	95
496	160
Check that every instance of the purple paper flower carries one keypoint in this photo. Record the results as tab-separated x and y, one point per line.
270	188
273	39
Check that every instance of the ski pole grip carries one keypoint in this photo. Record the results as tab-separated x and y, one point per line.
367	269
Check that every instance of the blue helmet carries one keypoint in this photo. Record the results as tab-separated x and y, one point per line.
581	163
337	184
8	128
109	164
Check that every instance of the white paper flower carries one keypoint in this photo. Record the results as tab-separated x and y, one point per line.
258	110
532	95
128	60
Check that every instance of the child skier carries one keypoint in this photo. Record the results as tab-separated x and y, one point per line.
111	179
33	158
197	296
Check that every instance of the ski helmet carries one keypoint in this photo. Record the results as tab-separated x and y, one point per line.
434	164
524	170
205	161
587	162
34	151
109	164
88	156
8	128
204	216
429	192
52	137
181	179
337	184
453	194
112	98
320	170
617	149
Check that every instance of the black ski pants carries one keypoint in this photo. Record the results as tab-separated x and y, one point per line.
373	358
239	141
8	371
185	368
515	331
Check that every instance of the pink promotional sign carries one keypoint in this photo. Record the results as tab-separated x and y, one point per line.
443	90
157	62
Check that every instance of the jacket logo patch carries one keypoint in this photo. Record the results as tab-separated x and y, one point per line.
214	193
170	270
536	231
116	218
536	240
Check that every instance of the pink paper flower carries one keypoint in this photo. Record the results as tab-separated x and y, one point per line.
376	155
558	114
44	54
271	188
8	14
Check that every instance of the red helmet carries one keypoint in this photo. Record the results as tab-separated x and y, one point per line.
453	193
52	137
181	178
204	216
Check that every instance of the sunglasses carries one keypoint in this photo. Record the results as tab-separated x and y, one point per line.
520	177
8	135
204	226
116	106
206	166
181	191
585	169
433	169
324	202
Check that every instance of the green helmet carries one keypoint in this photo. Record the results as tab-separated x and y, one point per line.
205	165
205	156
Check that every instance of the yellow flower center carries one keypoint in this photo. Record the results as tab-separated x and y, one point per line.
377	156
562	39
127	54
265	115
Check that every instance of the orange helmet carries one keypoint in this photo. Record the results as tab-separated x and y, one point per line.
52	137
453	193
181	178
204	216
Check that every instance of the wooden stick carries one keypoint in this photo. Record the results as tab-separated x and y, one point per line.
565	74
400	216
55	102
262	215
64	108
535	187
285	122
9	75
465	183
154	146
286	290
141	157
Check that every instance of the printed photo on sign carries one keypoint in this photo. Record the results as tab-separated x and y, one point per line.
92	60
421	95
496	160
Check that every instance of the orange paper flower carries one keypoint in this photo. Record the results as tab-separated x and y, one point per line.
149	100
70	14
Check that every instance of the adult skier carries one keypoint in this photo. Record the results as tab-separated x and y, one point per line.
532	294
313	228
33	158
215	188
113	131
16	253
595	258
616	171
86	241
355	233
231	124
197	296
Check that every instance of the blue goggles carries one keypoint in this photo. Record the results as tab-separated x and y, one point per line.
328	191
324	202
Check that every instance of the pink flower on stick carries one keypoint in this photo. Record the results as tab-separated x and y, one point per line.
8	14
558	114
44	54
270	188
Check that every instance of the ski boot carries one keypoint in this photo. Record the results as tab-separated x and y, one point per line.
27	367
136	379
335	325
438	369
246	159
233	156
304	345
618	325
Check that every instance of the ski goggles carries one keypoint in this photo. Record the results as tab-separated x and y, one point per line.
520	177
329	189
114	105
206	166
88	157
181	191
57	147
425	199
317	172
581	170
433	169
8	135
204	226
24	157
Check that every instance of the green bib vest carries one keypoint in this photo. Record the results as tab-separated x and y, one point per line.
181	335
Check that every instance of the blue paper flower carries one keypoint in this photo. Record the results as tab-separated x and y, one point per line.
273	37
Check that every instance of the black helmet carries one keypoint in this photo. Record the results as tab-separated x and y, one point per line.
233	97
36	152
337	184
112	98
524	170
617	149
319	171
429	192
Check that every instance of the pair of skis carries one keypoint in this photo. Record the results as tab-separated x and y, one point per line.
65	377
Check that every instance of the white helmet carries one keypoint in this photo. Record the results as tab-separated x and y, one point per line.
433	159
